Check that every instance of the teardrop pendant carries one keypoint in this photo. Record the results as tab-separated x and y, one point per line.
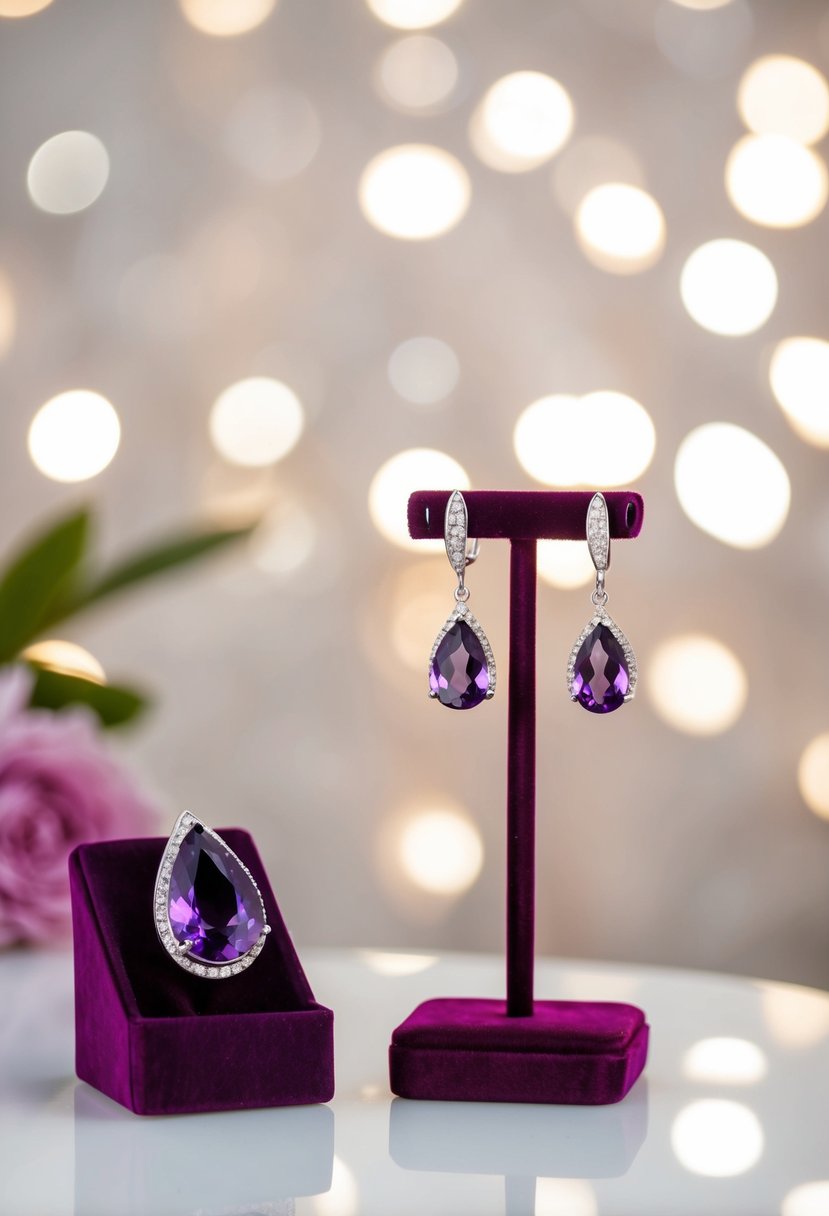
209	913
461	665
601	673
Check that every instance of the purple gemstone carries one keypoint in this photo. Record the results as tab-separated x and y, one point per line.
459	676
213	903
601	678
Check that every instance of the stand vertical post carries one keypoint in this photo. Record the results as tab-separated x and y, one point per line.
521	781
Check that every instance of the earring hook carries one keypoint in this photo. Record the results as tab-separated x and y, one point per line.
461	550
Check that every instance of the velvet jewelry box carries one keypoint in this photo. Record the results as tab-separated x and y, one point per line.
162	1041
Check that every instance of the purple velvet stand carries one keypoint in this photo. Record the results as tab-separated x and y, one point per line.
164	1042
521	1050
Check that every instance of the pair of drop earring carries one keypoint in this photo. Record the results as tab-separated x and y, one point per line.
601	671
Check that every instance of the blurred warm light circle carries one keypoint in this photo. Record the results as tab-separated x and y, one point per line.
796	1017
705	46
542	432
256	422
423	370
620	228
702	5
273	132
813	776
67	658
232	496
619	438
729	287
808	1199
717	1138
564	1197
696	684
732	485
8	315
342	1197
782	95
397	479
604	439
396	964
285	539
418	607
417	73
799	376
440	851
414	191
564	564
22	8
413	14
592	161
74	436
68	172
773	180
725	1061
522	120
226	18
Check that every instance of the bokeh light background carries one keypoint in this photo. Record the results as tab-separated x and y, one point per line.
294	260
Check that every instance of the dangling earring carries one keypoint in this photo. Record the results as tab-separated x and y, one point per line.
461	666
601	673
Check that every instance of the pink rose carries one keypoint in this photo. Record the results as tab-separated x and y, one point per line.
59	785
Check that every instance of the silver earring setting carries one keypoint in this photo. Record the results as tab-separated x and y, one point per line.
209	913
601	673
461	666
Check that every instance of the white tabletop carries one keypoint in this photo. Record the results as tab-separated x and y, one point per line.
714	1126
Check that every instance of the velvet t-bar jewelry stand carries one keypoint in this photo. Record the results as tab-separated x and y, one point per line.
520	1049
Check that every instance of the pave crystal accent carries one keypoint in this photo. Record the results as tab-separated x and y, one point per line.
598	532
208	910
602	671
461	665
455	531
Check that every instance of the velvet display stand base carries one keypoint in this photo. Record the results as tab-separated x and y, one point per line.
162	1041
459	1049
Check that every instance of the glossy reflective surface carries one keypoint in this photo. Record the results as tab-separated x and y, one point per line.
729	1117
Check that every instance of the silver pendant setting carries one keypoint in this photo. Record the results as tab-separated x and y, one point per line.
209	913
462	613
602	617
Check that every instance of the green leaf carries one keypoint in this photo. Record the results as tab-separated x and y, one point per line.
38	580
157	560
113	704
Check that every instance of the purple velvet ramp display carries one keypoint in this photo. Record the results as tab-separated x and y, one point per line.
162	1041
456	1049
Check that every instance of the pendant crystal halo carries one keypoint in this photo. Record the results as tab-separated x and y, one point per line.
602	617
461	613
183	946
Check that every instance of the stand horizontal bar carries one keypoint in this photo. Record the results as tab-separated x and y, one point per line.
525	514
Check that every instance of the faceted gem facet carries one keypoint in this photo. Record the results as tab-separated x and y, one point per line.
601	678
213	903
459	676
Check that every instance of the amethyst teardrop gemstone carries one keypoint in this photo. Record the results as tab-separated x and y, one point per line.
601	678
213	903
459	676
